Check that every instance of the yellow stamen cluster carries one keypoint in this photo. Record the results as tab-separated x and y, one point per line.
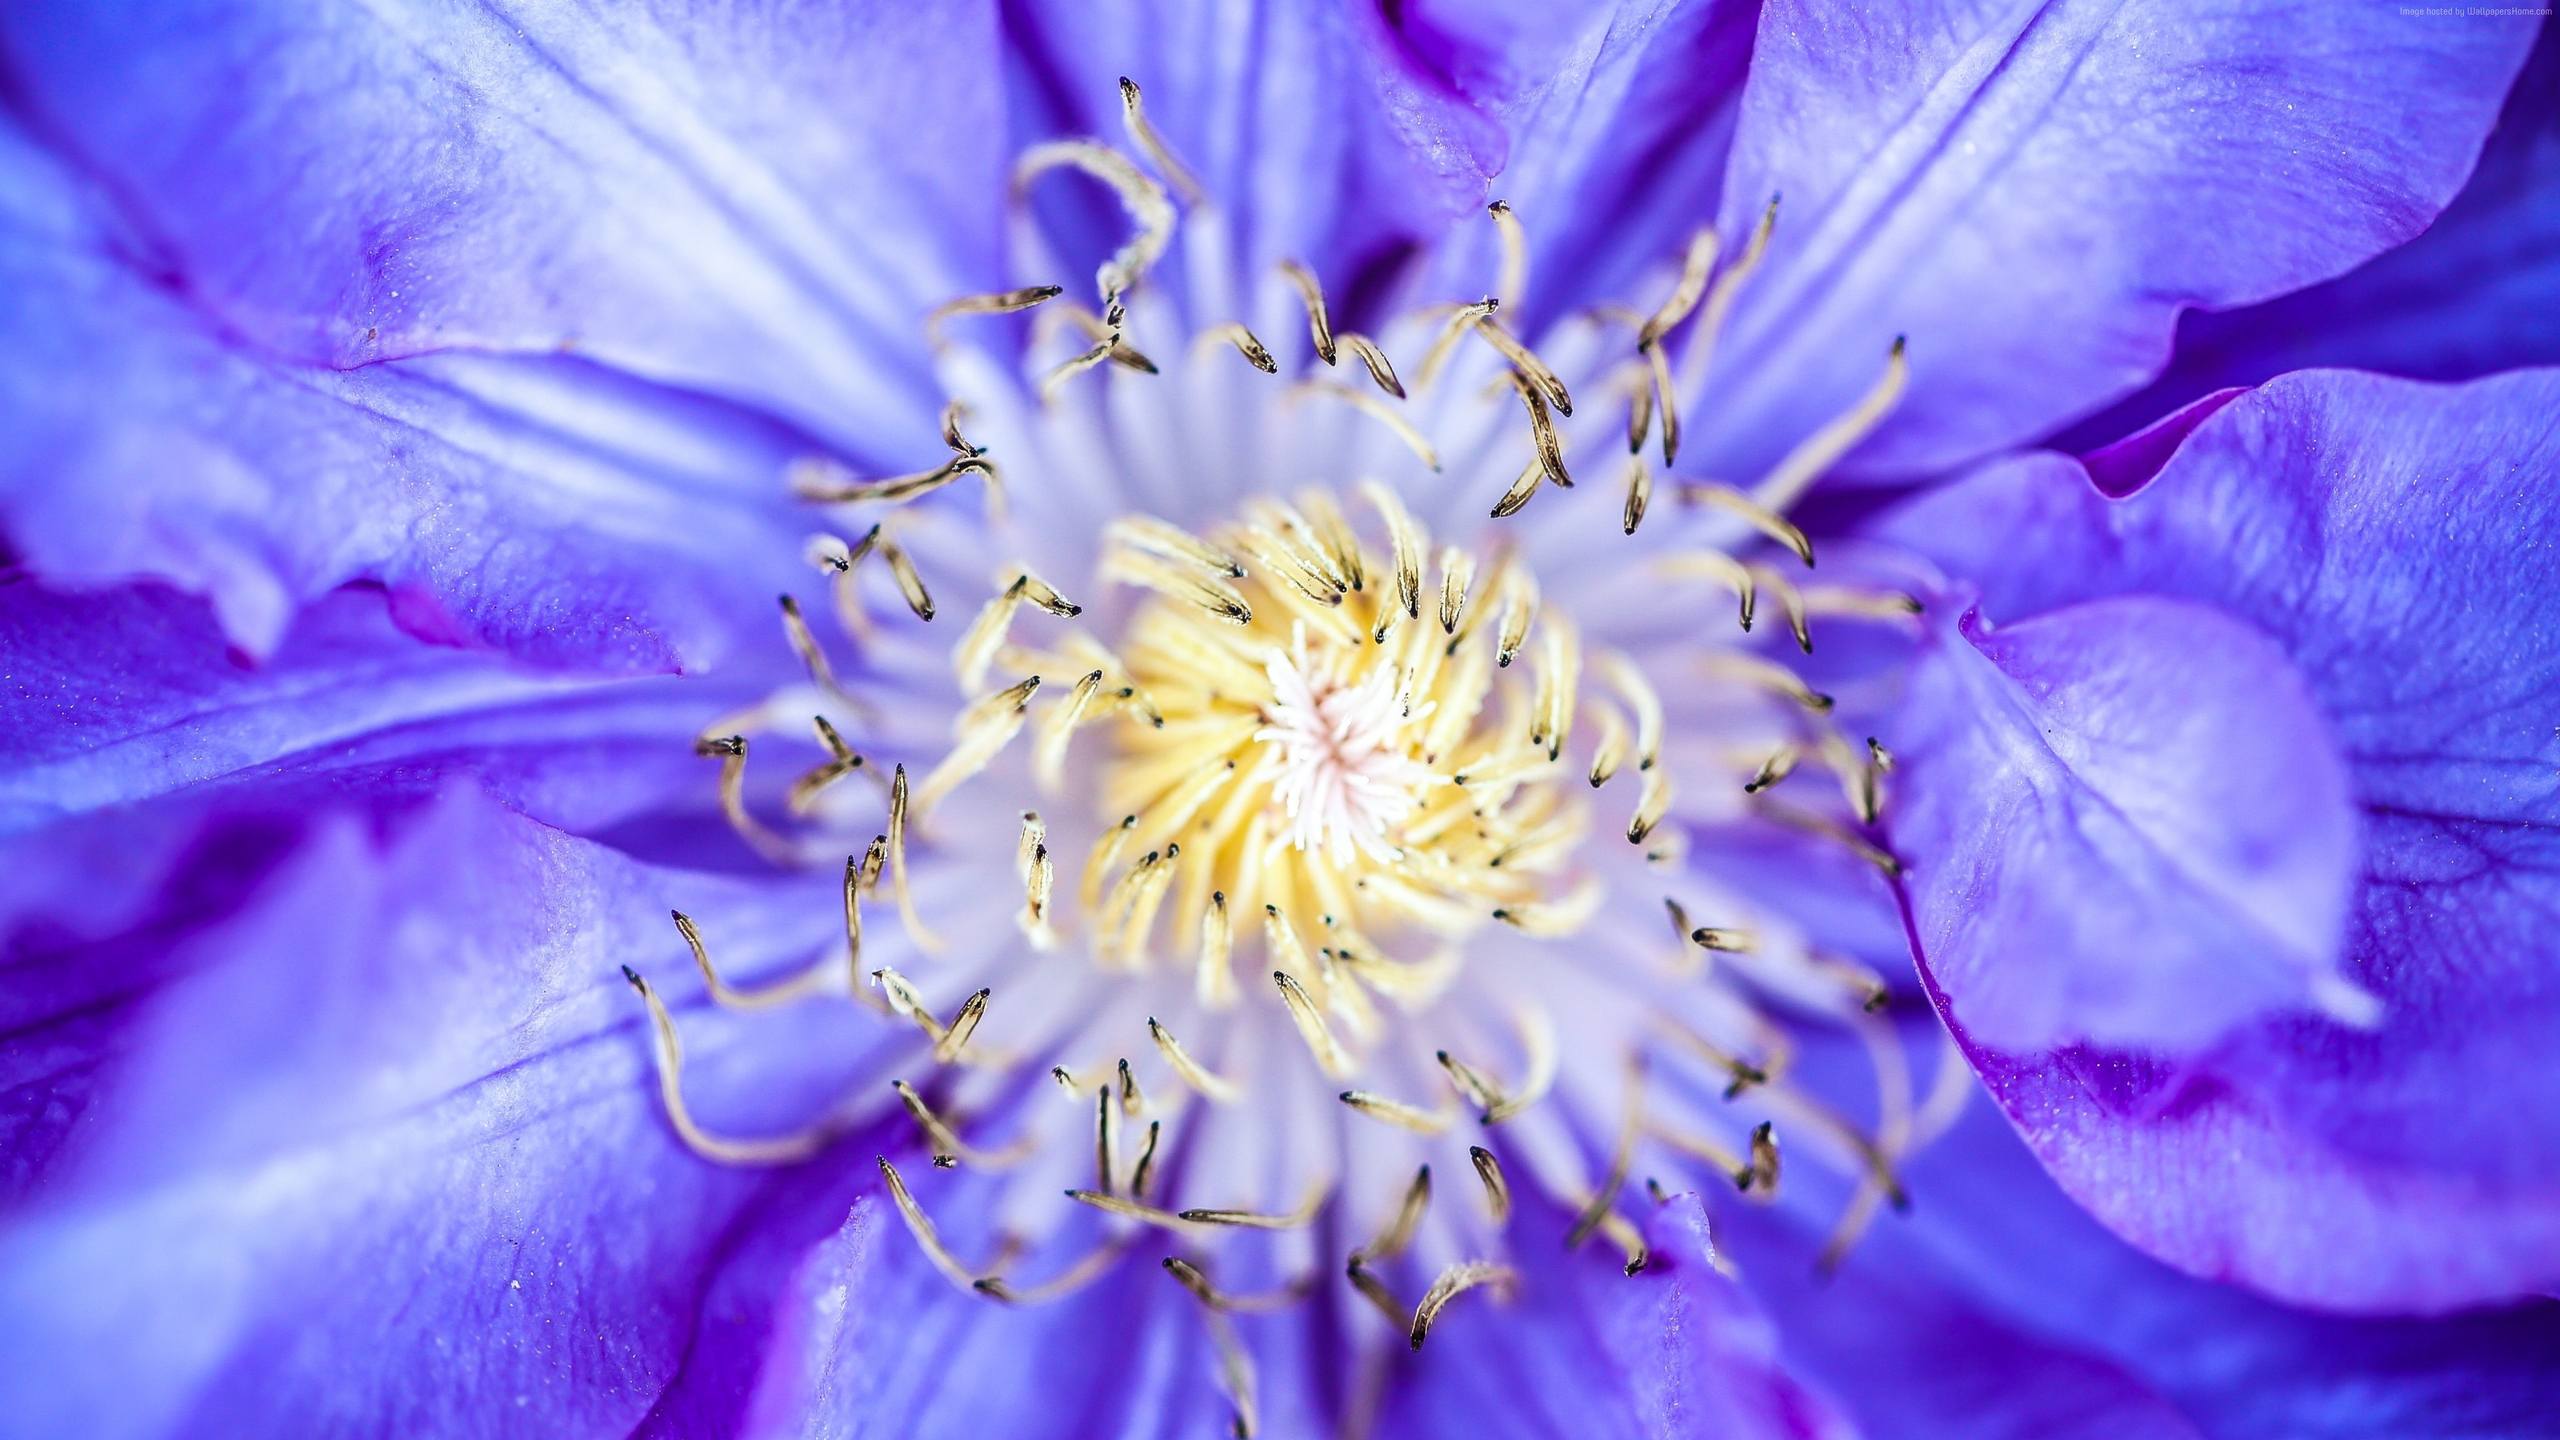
1332	753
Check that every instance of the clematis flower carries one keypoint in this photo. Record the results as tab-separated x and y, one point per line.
1307	830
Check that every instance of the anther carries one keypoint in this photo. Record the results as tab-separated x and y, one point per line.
1151	144
1397	1112
897	852
1199	1077
1001	302
1312	1026
781	992
964	1023
1526	362
1497	1190
1391	1241
1319	325
1374	360
1639	494
1297	1219
1760	517
1455	1281
1255	353
1724	941
1461	321
903	570
921	1227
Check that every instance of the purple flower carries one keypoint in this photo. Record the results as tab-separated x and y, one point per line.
1184	921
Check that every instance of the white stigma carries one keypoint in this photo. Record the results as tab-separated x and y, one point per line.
1345	777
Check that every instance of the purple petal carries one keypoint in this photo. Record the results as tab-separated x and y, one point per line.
2125	823
1676	1350
1619	120
1306	125
2479	292
1997	1308
756	204
293	1135
348	700
871	1340
2395	540
543	505
2032	193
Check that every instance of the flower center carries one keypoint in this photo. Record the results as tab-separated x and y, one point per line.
1326	750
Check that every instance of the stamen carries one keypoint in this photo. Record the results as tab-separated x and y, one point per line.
1639	493
1526	362
1101	332
925	939
1075	1277
1129	1209
802	796
1721	298
1049	757
1720	568
781	992
1391	1241
1131	1101
1253	350
1621	1157
1860	604
1790	604
948	1148
963	1024
1104	1165
1312	1027
903	569
1462	320
795	628
1542	429
1758	516
1150	209
1659	370
1397	1113
857	875
1780	764
1144	1171
953	412
731	751
1455	1281
984	729
669	1053
921	1227
1724	941
1375	1291
1374	360
1764	674
1378	410
1194	1280
1319	325
906	1001
1514	283
1497	1190
1001	302
1297	1219
1818	452
1522	490
1151	144
1696	264
825	482
1216	981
